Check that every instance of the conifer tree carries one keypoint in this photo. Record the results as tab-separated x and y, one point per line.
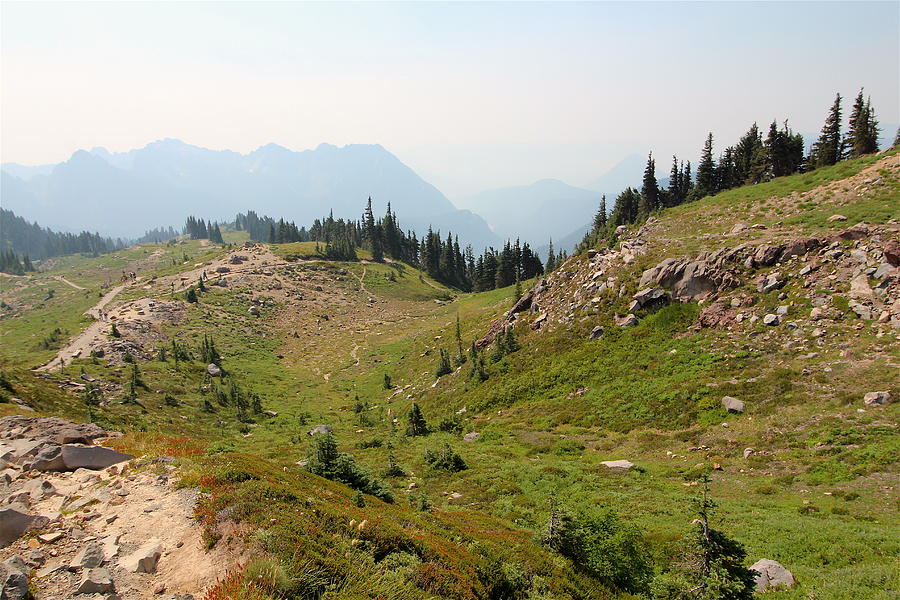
828	148
706	170
460	356
551	255
649	201
477	372
443	367
601	217
416	424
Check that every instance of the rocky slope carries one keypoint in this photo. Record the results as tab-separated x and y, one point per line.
79	518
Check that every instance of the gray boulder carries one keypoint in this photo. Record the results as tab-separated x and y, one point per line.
596	333
732	405
627	321
471	436
649	298
319	429
144	559
618	465
213	370
91	555
13	581
14	523
772	574
877	398
91	457
95	581
771	319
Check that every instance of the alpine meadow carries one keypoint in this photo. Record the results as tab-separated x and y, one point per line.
235	370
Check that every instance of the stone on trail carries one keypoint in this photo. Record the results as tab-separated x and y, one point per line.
91	457
732	405
95	581
90	556
772	574
144	559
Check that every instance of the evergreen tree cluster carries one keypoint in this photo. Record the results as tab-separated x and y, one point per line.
755	158
198	229
12	264
158	235
497	269
29	241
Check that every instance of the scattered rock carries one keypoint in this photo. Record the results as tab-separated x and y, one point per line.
836	218
596	333
771	319
618	465
877	398
732	405
748	452
91	555
772	574
95	581
627	321
13	582
14	523
319	429
859	288
213	370
891	253
144	559
471	436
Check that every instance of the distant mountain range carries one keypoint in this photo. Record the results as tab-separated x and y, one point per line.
124	194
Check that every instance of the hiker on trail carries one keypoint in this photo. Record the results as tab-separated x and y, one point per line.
203	276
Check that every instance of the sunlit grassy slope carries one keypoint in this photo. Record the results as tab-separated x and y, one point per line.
817	494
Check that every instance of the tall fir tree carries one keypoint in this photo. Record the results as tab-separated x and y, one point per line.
706	169
649	201
828	149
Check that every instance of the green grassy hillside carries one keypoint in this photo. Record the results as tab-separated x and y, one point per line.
817	491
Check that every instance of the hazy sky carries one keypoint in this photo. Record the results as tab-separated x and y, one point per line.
470	95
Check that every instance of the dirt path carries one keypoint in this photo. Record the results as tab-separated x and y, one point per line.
64	280
81	344
362	286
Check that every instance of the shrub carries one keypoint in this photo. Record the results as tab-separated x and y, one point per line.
601	545
452	424
445	459
416	424
342	467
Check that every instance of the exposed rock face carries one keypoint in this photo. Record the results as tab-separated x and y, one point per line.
688	279
772	574
52	429
650	298
892	253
